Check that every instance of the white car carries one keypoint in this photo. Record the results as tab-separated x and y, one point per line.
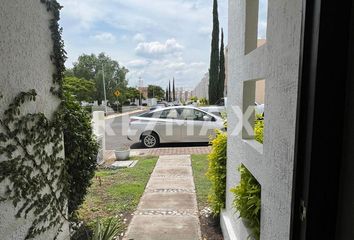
174	124
216	110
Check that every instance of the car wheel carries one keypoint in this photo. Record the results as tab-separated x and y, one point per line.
150	140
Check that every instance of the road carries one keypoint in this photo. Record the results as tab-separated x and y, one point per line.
116	140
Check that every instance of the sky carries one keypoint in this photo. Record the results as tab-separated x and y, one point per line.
156	40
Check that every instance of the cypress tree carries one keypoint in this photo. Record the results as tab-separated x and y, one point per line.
214	58
169	91
166	94
174	90
222	67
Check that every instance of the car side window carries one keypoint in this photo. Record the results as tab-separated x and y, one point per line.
195	115
169	114
187	114
199	116
147	115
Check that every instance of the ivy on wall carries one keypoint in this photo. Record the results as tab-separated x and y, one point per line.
33	171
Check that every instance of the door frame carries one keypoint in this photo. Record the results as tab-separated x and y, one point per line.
322	113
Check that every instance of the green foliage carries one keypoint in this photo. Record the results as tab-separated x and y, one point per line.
247	200
116	193
132	93
80	151
174	90
202	183
89	67
203	101
248	192
32	146
82	89
34	170
217	172
106	232
222	75
214	58
259	128
194	99
155	91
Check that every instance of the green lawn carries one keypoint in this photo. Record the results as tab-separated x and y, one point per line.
119	192
202	183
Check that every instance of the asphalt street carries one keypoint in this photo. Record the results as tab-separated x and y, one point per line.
114	134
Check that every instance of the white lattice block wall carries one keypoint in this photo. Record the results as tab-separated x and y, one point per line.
277	62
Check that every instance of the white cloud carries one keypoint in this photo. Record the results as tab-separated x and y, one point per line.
133	24
159	72
105	37
155	49
204	30
139	37
138	63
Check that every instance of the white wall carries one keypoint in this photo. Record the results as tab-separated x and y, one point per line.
277	61
25	48
202	89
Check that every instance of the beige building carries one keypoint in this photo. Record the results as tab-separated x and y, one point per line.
144	91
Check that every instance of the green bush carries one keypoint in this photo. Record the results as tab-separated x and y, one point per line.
88	109
248	200
80	151
203	101
247	193
217	172
258	130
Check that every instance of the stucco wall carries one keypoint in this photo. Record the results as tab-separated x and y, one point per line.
201	90
25	48
277	61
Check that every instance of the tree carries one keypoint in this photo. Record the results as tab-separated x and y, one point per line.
90	67
174	90
222	67
214	58
81	89
169	92
155	92
132	93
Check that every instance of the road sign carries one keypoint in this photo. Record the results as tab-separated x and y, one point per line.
117	93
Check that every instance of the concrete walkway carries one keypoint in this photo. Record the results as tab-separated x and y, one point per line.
168	208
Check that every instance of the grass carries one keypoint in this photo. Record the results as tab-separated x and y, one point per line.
202	183
118	194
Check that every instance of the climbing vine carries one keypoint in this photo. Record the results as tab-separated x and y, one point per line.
33	170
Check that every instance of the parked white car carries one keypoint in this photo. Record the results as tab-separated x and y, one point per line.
216	110
174	124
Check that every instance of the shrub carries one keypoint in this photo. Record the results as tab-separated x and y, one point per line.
248	200
88	109
203	101
247	193
258	130
217	172
80	151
